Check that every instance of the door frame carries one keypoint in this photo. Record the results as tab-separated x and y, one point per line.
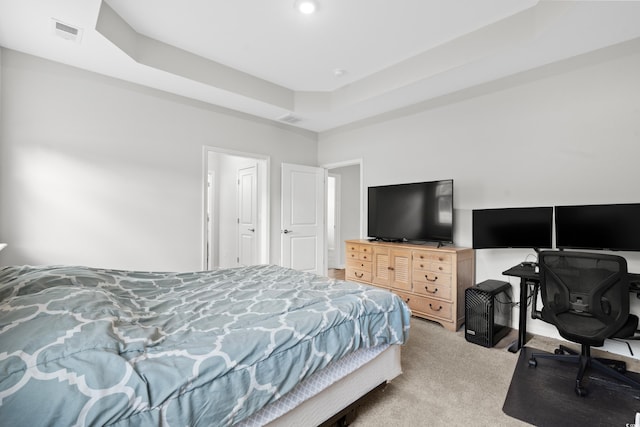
211	235
353	162
265	188
337	235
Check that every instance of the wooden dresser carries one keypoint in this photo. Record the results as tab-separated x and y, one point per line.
430	280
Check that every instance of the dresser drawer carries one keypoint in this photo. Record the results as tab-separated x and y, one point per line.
430	289
430	277
436	308
361	252
357	264
428	306
405	297
352	247
430	257
357	275
365	256
430	265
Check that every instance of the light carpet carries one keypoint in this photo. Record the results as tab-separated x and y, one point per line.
446	381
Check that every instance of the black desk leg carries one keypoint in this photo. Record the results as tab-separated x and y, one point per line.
522	323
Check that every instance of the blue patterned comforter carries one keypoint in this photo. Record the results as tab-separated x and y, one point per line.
84	346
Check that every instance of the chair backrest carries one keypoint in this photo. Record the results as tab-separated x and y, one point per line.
585	295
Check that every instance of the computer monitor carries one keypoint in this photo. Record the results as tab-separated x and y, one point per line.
613	227
527	227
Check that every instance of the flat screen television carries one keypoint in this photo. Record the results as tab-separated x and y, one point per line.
530	227
415	212
613	227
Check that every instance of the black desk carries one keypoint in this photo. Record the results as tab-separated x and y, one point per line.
528	276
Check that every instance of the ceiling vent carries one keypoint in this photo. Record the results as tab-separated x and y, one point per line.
290	118
66	31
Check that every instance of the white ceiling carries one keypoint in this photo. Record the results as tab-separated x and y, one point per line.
264	58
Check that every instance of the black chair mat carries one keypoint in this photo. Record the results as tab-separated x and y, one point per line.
545	396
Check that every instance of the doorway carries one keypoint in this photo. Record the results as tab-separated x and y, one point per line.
334	187
347	198
236	208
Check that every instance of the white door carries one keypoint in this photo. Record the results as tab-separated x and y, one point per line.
302	218
247	215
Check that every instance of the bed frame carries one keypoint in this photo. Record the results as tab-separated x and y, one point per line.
343	393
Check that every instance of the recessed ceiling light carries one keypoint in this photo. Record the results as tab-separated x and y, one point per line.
306	6
339	72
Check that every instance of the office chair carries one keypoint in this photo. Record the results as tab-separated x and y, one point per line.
586	296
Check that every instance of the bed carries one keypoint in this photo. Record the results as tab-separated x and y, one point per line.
251	346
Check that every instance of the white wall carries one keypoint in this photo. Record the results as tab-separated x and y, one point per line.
101	172
571	136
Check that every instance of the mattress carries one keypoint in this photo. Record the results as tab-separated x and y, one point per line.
314	385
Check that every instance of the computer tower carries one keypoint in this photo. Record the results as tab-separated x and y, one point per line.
487	312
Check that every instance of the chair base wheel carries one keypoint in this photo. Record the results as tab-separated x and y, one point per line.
581	391
622	368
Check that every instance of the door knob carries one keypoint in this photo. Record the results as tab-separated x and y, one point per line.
252	230
287	231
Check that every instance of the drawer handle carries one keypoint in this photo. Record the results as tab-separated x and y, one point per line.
390	268
407	300
421	265
426	276
440	268
355	273
431	307
426	288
